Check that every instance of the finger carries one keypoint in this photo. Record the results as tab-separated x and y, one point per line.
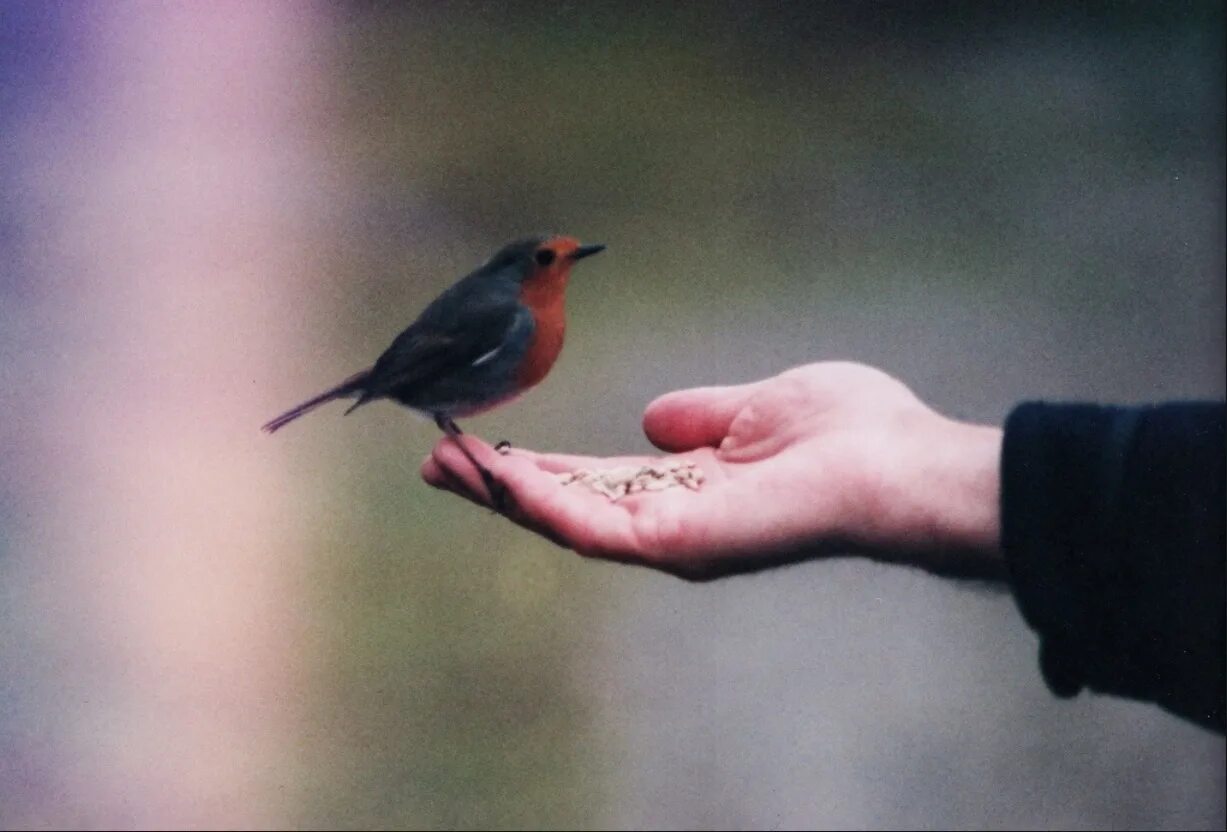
461	476
444	480
432	473
573	518
565	463
695	418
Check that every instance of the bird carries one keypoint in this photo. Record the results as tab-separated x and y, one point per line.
485	341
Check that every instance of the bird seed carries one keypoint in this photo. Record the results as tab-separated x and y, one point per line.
616	483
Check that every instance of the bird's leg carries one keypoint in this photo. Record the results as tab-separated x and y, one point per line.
498	491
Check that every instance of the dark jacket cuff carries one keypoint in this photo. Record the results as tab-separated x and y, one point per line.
1060	477
1112	525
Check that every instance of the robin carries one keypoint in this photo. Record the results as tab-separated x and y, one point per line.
486	340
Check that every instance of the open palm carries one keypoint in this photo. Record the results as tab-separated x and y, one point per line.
824	458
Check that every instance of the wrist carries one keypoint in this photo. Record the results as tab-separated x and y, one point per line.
967	486
936	503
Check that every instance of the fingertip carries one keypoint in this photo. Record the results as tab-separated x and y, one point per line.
430	471
660	424
437	475
695	418
658	405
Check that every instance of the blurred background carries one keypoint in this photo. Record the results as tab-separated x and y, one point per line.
209	211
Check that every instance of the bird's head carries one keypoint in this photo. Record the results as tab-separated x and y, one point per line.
543	261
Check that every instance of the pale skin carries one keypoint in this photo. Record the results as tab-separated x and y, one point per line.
826	459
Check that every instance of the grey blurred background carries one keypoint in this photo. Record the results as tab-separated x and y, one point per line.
210	211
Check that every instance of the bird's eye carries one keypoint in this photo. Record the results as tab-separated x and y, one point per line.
545	256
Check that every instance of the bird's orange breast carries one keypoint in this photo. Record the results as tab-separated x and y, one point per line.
545	296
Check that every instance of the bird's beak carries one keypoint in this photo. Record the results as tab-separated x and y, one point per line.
586	251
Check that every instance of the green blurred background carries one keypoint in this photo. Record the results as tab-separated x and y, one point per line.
213	210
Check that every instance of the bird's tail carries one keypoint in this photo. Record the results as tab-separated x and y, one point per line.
354	384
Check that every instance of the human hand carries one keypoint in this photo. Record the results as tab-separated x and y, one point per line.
828	458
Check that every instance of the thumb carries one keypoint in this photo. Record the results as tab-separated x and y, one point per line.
695	418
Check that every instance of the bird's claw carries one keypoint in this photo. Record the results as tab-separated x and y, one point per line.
500	497
503	447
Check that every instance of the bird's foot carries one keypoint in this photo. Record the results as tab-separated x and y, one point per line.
503	447
500	497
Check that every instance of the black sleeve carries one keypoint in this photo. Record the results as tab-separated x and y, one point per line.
1112	524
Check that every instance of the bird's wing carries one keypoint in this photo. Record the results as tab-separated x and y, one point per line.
436	346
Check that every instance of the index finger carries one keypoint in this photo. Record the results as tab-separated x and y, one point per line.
565	463
580	520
